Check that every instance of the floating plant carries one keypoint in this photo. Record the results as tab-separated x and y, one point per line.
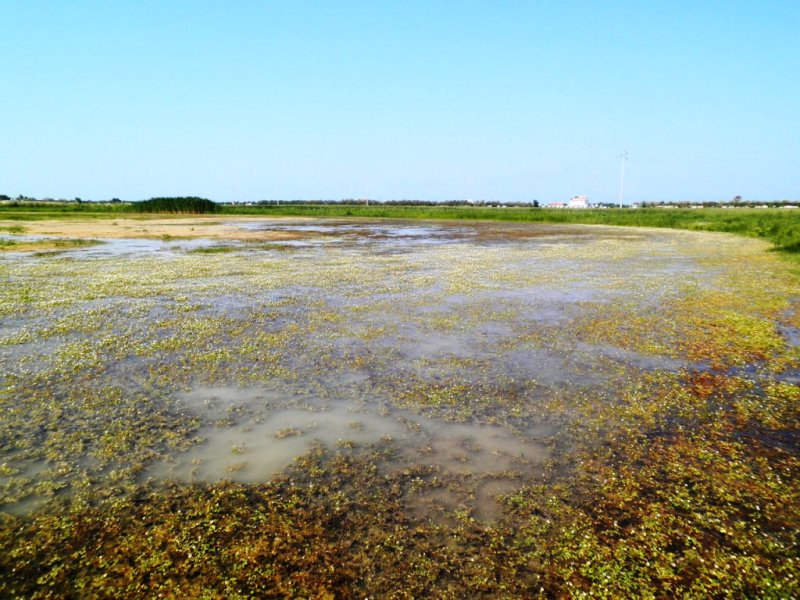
580	413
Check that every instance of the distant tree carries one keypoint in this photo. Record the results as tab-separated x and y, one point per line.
184	204
115	200
737	199
4	197
535	204
78	200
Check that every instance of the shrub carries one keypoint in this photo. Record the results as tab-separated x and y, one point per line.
181	204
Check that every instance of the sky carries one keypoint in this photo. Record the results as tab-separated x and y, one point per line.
388	99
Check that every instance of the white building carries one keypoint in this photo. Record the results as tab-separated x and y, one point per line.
578	202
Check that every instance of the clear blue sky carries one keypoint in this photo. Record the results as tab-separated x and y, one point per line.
503	100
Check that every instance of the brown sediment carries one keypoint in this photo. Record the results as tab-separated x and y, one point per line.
234	228
196	227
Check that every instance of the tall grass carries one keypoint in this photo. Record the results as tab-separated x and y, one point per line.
38	211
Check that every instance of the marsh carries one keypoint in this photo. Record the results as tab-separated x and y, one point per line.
480	360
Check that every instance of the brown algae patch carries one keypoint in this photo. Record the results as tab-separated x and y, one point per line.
513	410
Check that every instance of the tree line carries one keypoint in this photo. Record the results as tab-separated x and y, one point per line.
178	204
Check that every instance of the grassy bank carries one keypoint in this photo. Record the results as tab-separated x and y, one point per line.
781	227
42	211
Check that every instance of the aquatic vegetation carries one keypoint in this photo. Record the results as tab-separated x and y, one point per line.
44	245
287	432
377	415
214	249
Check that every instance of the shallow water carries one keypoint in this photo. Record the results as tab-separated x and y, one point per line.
456	346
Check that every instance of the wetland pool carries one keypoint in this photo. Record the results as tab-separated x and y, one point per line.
473	361
445	340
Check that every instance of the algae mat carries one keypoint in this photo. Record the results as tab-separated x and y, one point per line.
282	408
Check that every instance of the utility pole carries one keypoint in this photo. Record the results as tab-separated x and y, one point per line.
623	158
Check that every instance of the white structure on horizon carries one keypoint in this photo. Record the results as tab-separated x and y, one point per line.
578	202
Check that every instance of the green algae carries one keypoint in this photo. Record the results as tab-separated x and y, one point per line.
672	458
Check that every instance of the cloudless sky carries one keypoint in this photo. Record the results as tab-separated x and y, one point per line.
495	100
